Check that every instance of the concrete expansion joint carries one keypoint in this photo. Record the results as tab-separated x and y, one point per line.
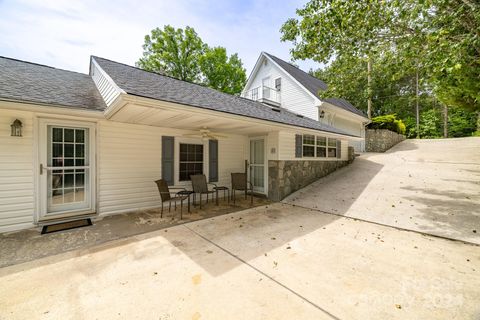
386	225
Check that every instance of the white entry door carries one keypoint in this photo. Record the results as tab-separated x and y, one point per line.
66	181
257	164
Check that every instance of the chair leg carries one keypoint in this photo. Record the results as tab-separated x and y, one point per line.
251	197
161	212
200	201
233	195
181	209
228	193
207	197
216	197
169	205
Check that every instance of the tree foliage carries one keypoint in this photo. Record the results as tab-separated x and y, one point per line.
222	72
439	38
183	55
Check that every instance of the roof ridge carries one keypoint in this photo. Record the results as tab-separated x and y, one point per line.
294	66
43	65
156	73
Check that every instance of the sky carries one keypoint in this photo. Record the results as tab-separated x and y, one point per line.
64	33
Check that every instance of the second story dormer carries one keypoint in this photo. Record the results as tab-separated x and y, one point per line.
279	83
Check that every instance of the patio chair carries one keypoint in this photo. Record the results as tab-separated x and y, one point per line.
166	196
200	186
240	182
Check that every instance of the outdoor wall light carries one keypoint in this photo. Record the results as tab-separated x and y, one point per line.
16	128
322	114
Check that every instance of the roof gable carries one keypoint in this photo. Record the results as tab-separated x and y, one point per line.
313	85
309	82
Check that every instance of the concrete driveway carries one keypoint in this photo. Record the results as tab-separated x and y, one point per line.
271	262
430	186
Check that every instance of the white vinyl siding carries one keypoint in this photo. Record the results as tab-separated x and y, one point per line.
129	161
352	127
293	96
107	88
16	172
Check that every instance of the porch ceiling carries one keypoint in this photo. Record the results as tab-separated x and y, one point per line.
188	120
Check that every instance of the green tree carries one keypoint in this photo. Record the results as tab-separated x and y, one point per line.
222	72
439	38
174	52
183	55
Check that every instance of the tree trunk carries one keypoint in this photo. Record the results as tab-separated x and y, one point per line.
417	110
445	121
369	88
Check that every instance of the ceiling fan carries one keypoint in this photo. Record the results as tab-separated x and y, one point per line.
206	134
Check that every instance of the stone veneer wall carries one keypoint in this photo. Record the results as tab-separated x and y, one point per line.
288	176
380	140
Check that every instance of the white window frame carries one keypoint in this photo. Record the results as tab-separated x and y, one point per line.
176	165
316	145
308	145
330	147
280	86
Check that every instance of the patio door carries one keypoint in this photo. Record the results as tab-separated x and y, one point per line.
257	164
66	173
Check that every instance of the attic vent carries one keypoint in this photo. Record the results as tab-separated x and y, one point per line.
276	109
299	115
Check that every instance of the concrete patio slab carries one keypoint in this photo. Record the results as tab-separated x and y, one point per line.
270	262
26	245
430	186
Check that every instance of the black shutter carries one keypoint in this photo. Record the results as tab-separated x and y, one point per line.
213	160
168	159
298	146
339	149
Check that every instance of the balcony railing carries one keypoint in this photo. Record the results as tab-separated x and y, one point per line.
264	94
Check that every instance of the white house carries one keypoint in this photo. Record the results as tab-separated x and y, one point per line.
86	145
281	84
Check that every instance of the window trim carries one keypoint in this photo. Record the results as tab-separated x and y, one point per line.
195	162
308	145
279	88
316	145
176	165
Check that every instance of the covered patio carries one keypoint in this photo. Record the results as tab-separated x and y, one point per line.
27	245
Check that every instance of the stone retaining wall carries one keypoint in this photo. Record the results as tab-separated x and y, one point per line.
380	140
286	177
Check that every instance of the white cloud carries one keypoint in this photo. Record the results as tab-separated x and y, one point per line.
64	33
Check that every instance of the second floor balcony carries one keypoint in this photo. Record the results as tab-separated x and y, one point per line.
264	94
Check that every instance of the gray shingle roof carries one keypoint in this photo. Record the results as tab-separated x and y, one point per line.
30	82
313	84
142	83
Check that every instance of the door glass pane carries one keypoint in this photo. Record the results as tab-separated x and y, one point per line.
257	158
57	134
68	135
79	135
258	176
67	185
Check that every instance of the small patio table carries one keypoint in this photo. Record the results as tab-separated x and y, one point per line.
187	193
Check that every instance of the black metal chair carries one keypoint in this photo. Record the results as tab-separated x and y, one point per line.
166	196
240	182
200	186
